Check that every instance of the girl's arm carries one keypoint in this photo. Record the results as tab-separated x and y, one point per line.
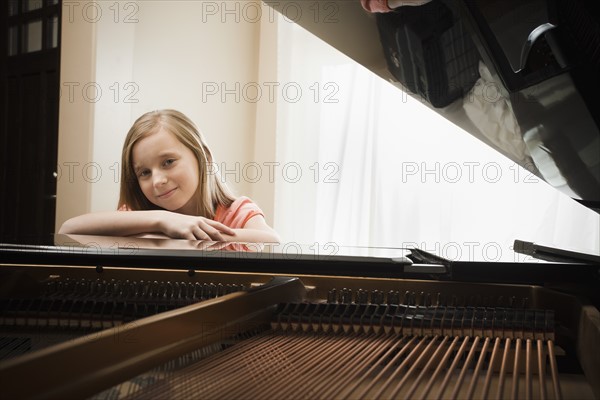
255	230
129	223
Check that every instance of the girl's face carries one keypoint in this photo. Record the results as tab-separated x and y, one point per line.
167	172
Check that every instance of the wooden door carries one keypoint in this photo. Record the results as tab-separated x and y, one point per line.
29	96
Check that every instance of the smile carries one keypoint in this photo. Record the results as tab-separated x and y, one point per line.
166	195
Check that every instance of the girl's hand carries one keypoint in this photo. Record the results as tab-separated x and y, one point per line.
181	226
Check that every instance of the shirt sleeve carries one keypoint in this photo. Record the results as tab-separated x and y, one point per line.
238	214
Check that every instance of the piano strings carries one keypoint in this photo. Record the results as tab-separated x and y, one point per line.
354	351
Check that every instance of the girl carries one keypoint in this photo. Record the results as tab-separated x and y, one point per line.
167	188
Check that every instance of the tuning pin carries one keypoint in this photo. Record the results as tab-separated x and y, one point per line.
100	287
362	297
346	296
425	299
189	291
332	296
393	297
376	297
212	290
172	291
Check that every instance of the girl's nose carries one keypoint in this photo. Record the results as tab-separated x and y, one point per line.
159	179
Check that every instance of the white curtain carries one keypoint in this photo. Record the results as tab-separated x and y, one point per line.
381	169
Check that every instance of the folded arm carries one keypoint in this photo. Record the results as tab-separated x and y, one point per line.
170	224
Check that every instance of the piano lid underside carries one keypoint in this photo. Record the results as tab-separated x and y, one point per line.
544	84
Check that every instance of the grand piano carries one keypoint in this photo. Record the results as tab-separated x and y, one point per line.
111	318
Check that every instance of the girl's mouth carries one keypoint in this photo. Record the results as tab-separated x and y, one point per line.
166	194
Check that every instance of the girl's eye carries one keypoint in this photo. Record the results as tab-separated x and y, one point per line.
169	162
143	173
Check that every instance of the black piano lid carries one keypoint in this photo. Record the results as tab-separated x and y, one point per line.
292	259
543	57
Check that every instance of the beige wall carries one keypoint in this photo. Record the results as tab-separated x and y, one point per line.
133	57
76	116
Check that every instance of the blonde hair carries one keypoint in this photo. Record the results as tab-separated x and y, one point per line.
210	191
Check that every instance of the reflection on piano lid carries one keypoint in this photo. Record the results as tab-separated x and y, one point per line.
538	63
